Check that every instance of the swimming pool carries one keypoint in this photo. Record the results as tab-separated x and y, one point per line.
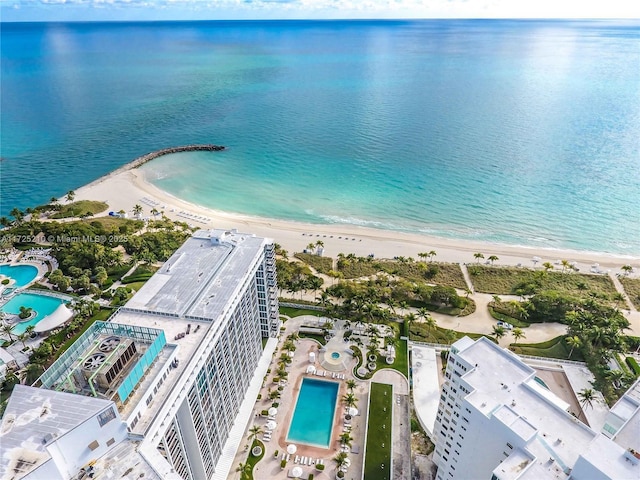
43	305
22	274
315	410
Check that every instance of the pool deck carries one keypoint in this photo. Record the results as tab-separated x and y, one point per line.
269	466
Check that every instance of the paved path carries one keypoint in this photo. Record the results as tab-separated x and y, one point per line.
620	289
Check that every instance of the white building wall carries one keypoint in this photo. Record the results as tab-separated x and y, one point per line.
71	451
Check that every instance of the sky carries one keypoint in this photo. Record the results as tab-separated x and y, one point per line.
109	10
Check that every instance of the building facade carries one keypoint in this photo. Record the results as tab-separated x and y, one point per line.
495	420
182	361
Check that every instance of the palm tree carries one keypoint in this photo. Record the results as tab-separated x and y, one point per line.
17	214
450	336
254	432
346	439
478	256
22	338
618	297
351	384
565	264
627	269
493	258
245	470
573	342
499	332
518	334
137	210
53	200
350	399
423	255
587	397
340	460
70	196
410	318
8	329
432	254
547	266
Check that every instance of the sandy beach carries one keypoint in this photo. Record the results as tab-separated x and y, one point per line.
124	188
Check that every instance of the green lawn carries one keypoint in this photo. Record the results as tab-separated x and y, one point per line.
377	462
296	312
251	460
401	363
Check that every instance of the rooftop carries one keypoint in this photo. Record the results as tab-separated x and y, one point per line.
505	388
201	276
35	416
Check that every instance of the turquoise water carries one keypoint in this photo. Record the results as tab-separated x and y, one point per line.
514	132
43	305
313	417
22	274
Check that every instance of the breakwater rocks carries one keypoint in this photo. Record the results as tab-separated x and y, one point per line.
158	153
166	151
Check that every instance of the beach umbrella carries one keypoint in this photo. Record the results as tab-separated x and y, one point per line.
353	411
272	411
291	449
271	425
296	471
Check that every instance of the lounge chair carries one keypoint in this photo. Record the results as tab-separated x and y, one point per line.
297	459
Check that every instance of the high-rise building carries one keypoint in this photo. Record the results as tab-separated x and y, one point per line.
495	420
181	364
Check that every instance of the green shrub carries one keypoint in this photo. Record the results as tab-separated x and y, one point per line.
319	466
633	365
283	464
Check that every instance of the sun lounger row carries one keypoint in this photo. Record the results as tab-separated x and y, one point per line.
321	374
339	376
193	216
149	202
307	460
285	456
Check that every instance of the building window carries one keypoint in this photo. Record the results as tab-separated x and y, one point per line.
510	446
106	416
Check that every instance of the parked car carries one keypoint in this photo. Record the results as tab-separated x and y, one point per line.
505	325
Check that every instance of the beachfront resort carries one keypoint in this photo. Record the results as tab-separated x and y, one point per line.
204	373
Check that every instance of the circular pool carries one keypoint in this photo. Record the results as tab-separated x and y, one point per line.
335	355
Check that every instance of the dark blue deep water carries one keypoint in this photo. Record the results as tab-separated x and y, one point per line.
518	132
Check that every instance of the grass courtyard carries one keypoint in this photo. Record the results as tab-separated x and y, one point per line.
377	463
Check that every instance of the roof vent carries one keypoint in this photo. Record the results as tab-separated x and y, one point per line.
513	403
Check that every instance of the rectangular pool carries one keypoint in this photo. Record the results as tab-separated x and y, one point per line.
315	410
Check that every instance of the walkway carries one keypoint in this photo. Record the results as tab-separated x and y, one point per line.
426	386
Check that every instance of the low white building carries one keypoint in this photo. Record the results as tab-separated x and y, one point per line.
496	421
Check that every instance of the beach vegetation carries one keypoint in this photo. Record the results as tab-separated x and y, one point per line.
320	264
632	363
423	332
81	207
504	280
632	288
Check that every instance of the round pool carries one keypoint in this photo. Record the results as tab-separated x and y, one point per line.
22	274
335	355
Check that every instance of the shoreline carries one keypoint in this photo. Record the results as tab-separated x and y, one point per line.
127	186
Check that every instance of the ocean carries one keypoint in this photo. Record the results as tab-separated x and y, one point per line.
513	132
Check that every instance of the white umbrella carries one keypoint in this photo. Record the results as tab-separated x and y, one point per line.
272	411
353	411
296	471
291	449
271	425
